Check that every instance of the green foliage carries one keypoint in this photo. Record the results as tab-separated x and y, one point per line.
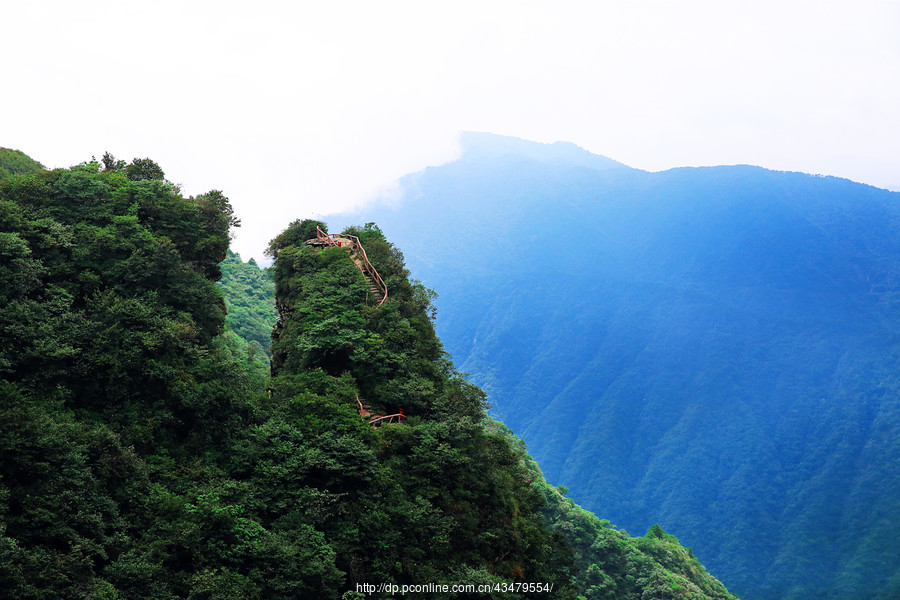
14	162
655	532
250	297
110	163
295	234
142	169
608	563
108	287
114	379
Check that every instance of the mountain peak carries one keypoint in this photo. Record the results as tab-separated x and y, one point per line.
481	145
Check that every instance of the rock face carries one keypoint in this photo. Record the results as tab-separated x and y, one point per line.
710	349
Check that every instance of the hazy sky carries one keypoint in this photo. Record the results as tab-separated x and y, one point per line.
300	108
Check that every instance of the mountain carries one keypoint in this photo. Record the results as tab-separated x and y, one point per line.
711	349
145	455
13	162
480	147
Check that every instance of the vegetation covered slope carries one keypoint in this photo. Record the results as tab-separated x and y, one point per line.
251	301
713	350
119	403
13	162
610	565
390	357
142	456
251	313
435	499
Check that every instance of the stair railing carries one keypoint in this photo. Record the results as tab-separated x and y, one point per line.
367	269
388	418
370	273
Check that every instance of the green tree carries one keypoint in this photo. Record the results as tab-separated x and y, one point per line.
110	163
296	233
142	169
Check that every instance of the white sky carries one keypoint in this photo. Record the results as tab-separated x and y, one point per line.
296	109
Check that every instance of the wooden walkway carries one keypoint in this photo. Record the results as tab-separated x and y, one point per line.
377	286
378	289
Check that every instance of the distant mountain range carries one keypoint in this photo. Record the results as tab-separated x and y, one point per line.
713	349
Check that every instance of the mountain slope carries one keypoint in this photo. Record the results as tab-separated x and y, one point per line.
14	162
333	340
711	349
144	456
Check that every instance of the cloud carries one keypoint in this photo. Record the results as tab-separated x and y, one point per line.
301	108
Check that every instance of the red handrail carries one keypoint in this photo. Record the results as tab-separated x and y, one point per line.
362	409
367	269
329	240
400	416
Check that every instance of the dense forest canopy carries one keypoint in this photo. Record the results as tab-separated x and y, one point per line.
250	294
144	453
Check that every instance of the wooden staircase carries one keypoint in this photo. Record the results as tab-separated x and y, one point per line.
374	291
377	287
377	290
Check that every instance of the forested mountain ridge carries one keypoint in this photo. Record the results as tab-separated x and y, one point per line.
120	400
251	314
142	456
251	294
711	349
14	162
